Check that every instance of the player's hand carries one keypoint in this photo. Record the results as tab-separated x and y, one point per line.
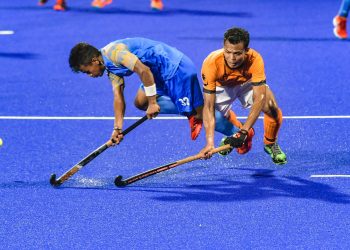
237	139
116	136
152	110
206	152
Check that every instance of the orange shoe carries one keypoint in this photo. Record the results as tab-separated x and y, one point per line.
42	2
157	5
339	30
60	5
101	3
248	143
195	125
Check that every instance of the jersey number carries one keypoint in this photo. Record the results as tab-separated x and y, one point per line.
184	101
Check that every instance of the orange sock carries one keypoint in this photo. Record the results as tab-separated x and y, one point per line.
232	117
271	127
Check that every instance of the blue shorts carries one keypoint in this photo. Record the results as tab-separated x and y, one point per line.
183	88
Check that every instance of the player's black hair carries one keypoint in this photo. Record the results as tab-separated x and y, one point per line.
236	35
82	54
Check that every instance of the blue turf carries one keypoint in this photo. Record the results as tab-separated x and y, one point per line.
243	202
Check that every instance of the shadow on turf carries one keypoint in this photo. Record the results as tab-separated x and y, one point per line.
25	56
148	12
166	12
261	185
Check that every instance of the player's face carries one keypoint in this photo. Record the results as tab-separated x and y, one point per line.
94	69
234	54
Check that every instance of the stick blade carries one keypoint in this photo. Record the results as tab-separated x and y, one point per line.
119	182
53	181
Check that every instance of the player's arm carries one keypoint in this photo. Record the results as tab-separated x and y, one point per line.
258	81
119	107
259	99
120	55
209	123
209	89
147	79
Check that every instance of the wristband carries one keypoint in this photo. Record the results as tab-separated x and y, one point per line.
116	128
150	90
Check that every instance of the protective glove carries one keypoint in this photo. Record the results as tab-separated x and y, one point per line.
237	139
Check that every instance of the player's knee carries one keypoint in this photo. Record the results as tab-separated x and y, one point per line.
140	105
272	108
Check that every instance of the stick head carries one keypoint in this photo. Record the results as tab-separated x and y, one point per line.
119	182
53	181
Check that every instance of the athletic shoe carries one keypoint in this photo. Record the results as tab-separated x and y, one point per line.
157	5
339	30
60	5
195	125
224	152
42	2
248	143
101	3
277	155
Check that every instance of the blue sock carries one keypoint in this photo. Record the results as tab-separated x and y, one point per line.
223	126
166	105
344	8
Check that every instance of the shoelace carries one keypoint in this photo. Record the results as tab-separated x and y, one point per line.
275	149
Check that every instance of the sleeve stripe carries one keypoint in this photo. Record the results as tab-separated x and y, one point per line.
259	83
207	91
119	54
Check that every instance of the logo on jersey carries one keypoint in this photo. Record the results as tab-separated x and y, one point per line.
204	82
185	101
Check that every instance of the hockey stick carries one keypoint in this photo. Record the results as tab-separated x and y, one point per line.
122	183
90	157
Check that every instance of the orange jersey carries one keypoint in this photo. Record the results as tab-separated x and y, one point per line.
215	72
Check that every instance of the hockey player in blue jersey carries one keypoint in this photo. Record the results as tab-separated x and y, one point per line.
169	80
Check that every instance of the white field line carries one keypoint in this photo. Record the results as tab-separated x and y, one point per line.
170	118
158	118
330	176
6	32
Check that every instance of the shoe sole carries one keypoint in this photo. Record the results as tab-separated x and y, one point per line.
56	8
336	34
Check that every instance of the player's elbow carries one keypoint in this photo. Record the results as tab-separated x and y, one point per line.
145	72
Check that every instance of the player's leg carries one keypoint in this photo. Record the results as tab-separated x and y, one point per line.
166	104
185	92
224	116
272	123
42	2
60	5
100	3
244	93
339	21
157	5
141	101
232	117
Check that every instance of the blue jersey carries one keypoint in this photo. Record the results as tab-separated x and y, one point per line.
120	57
